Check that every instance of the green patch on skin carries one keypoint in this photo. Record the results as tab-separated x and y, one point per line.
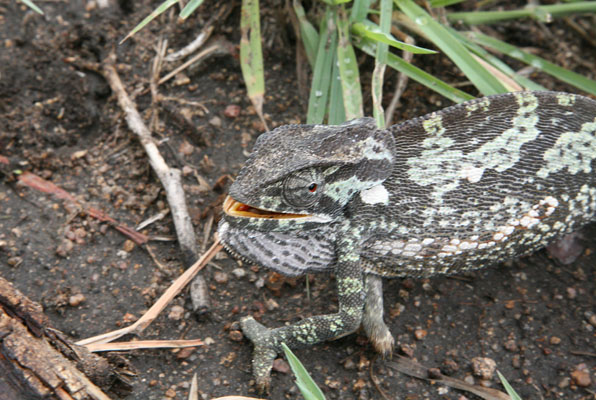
572	150
433	126
443	167
341	191
565	99
349	286
482	104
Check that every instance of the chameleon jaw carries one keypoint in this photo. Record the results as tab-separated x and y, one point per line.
235	208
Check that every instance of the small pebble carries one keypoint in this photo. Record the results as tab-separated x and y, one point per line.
220	277
407	350
236	336
176	313
420	334
280	365
271	304
76	299
64	248
349	364
581	376
14	261
232	111
181	79
511	345
186	148
215	122
128	246
450	367
332	383
359	385
239	273
592	320
563	383
555	340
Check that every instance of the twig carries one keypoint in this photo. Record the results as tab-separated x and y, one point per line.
155	259
169	177
217	47
412	368
193	392
62	394
144	344
35	182
374	379
204	35
577	28
186	102
192	46
402	81
174	289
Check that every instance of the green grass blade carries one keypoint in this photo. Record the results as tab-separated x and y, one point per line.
157	12
190	7
304	381
385	8
310	36
359	10
508	388
440	36
542	13
415	73
560	73
32	6
251	55
321	80
528	84
348	69
444	3
370	30
337	113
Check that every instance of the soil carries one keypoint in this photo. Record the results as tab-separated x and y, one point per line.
535	318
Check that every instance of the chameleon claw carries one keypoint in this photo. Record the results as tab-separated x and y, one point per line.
263	354
382	340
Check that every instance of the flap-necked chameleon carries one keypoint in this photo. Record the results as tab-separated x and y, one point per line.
471	185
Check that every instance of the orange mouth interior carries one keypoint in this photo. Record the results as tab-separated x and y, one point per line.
236	209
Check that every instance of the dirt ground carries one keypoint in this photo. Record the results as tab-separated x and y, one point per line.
535	318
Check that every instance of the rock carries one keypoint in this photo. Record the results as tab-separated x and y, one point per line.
484	367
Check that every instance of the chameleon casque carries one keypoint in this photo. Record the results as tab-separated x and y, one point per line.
471	185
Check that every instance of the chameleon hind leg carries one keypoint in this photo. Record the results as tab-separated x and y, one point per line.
372	320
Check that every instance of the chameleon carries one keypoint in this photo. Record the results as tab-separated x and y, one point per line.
472	185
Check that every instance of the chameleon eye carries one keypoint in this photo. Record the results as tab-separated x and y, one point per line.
301	189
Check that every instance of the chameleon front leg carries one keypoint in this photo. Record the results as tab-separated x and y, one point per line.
372	320
316	329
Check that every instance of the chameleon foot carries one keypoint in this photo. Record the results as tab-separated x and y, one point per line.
372	319
380	337
263	354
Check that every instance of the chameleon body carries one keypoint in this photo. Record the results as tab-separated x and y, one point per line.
472	185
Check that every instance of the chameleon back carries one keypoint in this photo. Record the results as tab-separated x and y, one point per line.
483	182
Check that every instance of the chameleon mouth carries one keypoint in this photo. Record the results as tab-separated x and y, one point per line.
235	208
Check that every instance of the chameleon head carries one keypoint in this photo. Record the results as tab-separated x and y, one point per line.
301	176
295	185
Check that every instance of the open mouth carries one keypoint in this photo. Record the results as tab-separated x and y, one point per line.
236	209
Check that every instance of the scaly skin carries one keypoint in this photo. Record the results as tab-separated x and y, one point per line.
469	186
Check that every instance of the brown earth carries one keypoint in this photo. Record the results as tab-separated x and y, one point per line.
59	120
